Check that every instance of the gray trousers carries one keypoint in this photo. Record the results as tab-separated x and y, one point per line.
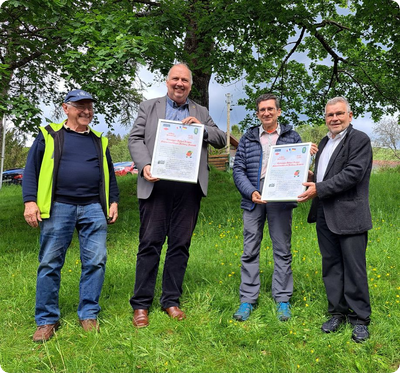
279	217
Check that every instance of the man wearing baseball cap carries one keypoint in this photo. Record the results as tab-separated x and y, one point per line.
69	183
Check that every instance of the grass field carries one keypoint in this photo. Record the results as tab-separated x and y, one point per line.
209	340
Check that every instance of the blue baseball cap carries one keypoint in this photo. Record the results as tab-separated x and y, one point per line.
77	95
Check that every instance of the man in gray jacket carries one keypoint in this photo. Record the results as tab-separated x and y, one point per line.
167	208
340	207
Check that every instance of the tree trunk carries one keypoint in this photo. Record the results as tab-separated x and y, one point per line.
197	44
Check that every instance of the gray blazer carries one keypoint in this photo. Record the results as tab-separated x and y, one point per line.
143	135
344	191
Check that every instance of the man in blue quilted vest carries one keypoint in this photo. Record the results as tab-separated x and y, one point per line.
248	173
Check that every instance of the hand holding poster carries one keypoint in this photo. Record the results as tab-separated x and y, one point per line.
287	170
177	151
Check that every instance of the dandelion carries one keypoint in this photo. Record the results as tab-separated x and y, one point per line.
317	360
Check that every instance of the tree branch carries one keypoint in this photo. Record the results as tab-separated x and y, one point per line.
330	22
25	60
289	55
328	48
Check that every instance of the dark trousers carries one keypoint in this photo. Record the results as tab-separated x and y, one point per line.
344	272
171	211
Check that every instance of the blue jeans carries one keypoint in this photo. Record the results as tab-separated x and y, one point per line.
55	237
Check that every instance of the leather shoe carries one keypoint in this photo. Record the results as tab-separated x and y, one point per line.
332	325
45	332
89	325
140	318
175	313
360	333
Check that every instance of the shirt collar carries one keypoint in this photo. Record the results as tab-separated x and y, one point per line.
85	132
277	130
174	105
338	136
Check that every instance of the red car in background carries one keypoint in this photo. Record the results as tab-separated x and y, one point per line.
123	168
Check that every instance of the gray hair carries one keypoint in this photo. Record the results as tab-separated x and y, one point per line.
337	99
181	64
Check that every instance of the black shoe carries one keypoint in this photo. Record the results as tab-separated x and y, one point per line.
360	333
332	325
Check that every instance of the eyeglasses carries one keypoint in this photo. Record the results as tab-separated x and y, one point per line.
81	107
339	114
269	109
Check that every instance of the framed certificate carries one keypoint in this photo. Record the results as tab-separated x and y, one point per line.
177	151
287	170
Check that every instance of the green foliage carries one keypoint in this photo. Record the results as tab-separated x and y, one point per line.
209	340
91	45
15	150
312	133
304	51
236	132
119	149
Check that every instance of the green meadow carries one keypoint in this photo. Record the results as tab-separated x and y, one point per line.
209	340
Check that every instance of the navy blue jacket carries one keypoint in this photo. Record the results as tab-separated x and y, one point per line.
248	161
71	195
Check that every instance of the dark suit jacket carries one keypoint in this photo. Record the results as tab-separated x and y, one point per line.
344	190
143	135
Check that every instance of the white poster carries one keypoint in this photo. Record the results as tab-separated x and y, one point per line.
287	170
177	151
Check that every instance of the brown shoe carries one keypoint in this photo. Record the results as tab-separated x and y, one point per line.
175	313
89	325
45	332
140	318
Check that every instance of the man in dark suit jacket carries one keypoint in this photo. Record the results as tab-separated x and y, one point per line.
340	207
167	208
